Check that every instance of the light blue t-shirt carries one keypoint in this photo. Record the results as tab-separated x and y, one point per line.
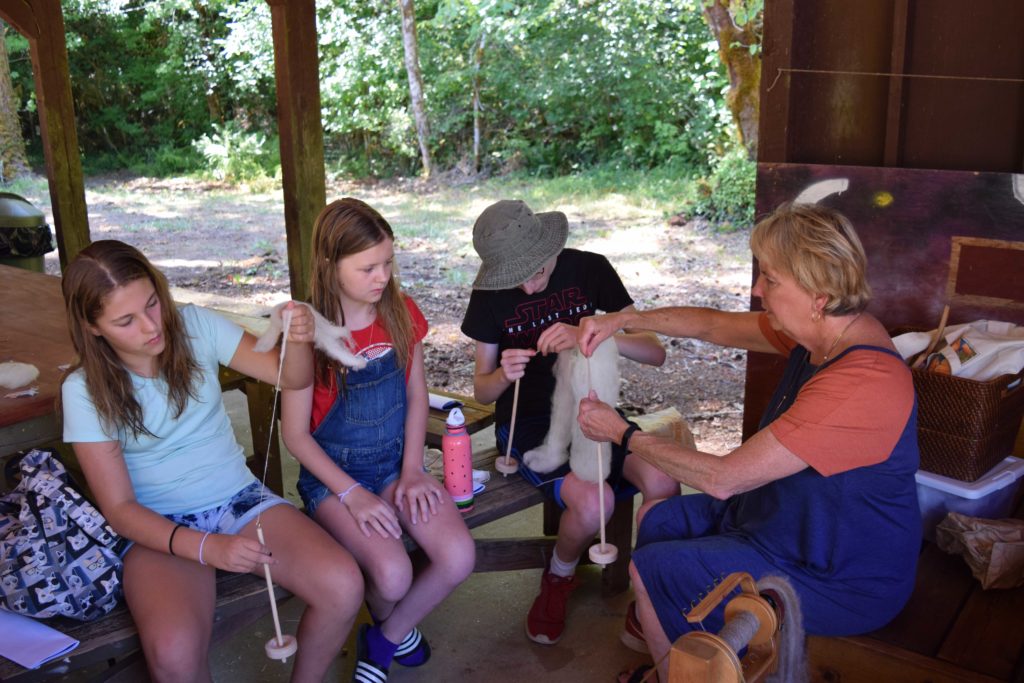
192	463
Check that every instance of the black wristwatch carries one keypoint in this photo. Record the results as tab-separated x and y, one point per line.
624	442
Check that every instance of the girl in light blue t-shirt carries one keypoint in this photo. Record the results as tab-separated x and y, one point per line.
143	412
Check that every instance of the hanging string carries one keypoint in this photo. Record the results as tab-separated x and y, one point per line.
286	321
280	647
890	74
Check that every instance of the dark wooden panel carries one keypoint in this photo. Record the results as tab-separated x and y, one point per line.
907	219
958	123
776	55
990	270
839	118
943	586
862	660
508	554
912	83
989	634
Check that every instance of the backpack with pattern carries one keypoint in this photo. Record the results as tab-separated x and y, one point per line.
58	555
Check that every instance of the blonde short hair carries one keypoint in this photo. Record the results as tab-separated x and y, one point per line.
819	248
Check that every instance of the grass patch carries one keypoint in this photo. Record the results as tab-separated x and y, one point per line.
34	188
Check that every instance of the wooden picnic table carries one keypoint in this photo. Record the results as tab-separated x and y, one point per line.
34	331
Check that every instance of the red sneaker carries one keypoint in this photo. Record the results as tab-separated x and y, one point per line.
546	620
632	635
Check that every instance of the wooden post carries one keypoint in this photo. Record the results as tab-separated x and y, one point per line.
42	23
297	73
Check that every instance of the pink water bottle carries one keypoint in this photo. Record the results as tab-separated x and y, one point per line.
457	450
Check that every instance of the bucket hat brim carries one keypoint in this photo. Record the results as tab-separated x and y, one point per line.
512	269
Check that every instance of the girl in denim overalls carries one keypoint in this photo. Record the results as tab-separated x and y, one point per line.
359	437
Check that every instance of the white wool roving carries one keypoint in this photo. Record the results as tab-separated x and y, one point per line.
14	375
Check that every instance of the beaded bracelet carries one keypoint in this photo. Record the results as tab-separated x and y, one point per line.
341	496
201	544
170	541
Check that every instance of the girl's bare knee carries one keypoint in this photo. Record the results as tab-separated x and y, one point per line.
390	581
460	560
176	655
346	587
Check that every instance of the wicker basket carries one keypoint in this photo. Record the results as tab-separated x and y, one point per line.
966	427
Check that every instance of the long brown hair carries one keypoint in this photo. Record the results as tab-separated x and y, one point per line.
345	227
98	270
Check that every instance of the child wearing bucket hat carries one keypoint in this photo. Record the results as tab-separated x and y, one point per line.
528	298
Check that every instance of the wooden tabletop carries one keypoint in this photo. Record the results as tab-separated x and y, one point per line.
34	330
477	417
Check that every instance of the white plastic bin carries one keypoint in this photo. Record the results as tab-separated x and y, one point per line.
990	497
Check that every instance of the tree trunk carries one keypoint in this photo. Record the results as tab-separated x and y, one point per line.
478	58
13	160
743	66
412	68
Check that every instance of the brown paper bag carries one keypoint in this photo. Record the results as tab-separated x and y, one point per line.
992	548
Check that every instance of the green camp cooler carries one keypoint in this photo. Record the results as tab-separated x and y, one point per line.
24	235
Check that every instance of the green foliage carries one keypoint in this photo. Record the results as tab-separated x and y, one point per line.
236	155
564	85
727	195
570	84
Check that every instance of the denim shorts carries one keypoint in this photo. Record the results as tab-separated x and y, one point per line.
229	518
232	516
373	468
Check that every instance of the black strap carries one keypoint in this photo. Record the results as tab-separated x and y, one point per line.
624	443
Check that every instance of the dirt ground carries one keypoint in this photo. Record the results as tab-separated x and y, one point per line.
228	245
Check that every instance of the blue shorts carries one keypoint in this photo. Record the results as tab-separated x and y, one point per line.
529	434
373	468
232	516
229	518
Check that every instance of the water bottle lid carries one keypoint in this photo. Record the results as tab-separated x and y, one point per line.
455	418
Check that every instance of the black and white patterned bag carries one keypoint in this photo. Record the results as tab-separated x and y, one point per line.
58	555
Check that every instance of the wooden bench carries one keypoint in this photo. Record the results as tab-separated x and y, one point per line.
507	495
951	631
241	599
504	496
111	645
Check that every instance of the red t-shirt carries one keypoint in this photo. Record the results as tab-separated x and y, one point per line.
370	342
849	415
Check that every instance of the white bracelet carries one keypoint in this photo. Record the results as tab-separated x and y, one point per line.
341	496
201	544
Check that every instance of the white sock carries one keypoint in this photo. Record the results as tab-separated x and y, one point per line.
562	568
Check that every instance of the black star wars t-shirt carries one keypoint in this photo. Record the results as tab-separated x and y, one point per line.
582	284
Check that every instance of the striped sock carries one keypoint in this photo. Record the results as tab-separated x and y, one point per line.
414	650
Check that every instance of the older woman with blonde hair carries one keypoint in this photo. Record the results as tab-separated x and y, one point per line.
824	493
